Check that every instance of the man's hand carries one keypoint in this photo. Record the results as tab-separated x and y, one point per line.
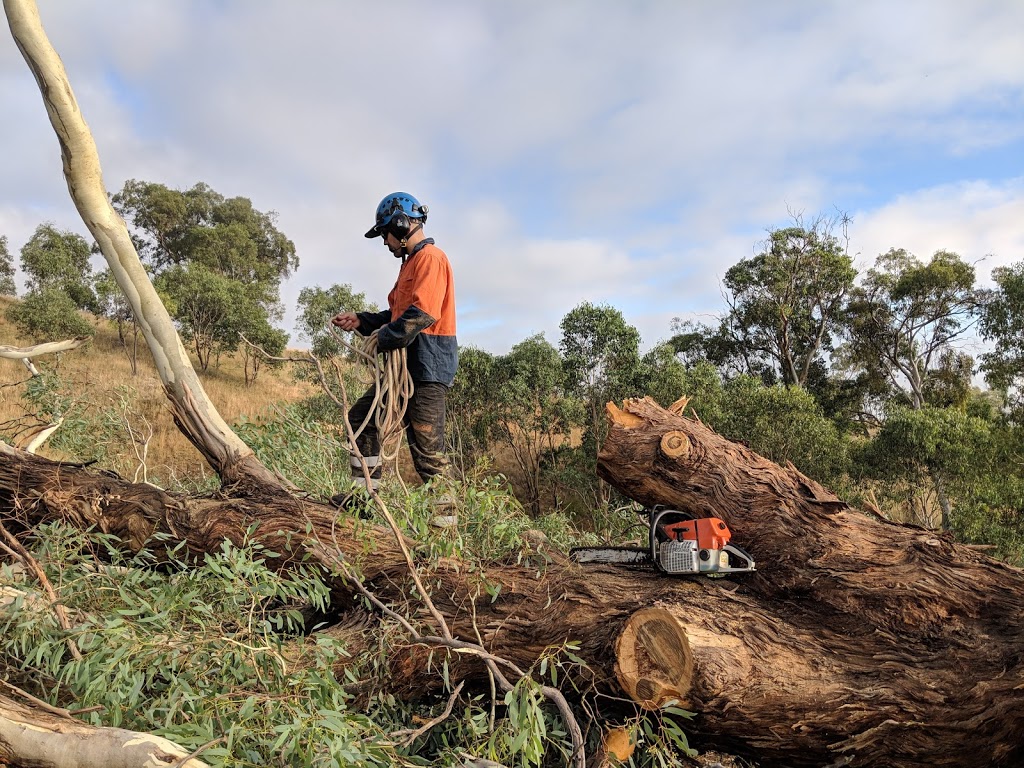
347	321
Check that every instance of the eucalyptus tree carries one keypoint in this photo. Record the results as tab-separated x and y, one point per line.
664	374
7	287
49	314
950	447
199	225
114	305
214	312
533	417
905	319
58	279
204	249
316	307
470	407
602	362
786	304
54	258
1002	324
718	344
265	341
785	307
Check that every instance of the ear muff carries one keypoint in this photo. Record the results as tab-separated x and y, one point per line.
399	225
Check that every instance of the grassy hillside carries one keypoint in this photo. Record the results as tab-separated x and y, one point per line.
98	382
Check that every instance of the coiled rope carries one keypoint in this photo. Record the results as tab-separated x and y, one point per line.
392	390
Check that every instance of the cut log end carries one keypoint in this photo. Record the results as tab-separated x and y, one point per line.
654	662
675	445
619	744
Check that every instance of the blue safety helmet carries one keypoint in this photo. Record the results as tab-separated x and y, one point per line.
394	215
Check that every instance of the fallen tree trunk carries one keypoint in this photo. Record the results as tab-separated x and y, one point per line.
884	643
858	642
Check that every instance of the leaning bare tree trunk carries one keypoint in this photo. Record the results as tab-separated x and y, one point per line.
197	418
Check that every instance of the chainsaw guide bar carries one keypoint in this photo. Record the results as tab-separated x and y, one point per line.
633	556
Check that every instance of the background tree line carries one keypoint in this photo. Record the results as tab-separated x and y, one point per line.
860	380
217	263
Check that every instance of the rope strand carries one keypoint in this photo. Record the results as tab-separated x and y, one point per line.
393	389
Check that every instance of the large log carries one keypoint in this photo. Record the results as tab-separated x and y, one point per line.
883	643
587	606
42	738
856	641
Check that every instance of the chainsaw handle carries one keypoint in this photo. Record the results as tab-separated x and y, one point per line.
741	553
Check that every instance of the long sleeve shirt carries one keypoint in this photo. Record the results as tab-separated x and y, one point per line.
420	316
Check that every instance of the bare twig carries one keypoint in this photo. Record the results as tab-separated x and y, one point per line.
411	735
198	751
490	677
60	712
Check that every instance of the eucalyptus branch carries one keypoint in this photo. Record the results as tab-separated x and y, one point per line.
59	711
198	751
15	548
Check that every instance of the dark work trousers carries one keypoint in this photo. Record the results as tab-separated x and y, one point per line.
424	427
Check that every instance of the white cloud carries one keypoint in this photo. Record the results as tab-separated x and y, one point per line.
621	153
976	219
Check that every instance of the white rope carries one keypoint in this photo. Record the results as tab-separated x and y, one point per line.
393	388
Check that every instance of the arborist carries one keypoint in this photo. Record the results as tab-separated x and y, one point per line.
421	318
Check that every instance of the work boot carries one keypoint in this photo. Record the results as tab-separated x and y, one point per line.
357	498
446	514
354	501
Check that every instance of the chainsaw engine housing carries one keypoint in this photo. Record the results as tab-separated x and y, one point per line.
681	546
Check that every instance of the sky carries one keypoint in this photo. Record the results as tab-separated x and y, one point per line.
619	152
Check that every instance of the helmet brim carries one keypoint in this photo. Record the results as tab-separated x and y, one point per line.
374	232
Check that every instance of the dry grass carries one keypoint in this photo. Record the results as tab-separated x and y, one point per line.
101	377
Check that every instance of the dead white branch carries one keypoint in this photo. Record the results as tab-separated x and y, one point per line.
32	441
42	738
25	354
48	348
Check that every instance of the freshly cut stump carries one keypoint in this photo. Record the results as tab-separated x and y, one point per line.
654	663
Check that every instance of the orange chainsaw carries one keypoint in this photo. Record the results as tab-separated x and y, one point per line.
679	544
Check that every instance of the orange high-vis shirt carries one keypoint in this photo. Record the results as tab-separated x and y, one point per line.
420	316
